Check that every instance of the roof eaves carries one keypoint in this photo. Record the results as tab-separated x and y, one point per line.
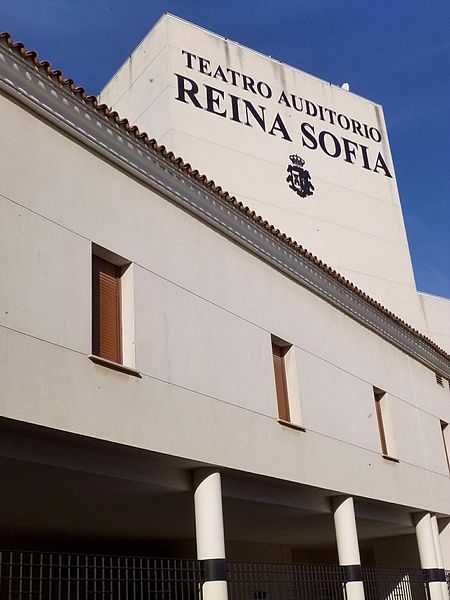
112	115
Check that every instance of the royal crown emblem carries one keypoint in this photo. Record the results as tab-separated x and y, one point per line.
298	178
296	159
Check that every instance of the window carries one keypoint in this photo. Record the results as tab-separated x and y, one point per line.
384	424
378	394
112	311
106	310
286	384
279	367
446	439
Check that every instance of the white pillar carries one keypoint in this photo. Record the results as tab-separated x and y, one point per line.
209	532
347	545
427	553
439	557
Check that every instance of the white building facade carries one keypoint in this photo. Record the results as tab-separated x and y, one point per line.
179	378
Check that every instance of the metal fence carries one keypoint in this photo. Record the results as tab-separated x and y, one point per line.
51	576
54	576
394	584
278	581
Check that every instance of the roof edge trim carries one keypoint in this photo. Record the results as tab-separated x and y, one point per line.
56	99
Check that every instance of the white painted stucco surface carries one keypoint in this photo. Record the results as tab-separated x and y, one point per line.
353	221
204	310
437	318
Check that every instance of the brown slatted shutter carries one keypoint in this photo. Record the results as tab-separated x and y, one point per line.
379	408
106	326
280	381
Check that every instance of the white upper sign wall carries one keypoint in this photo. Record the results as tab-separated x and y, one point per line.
310	157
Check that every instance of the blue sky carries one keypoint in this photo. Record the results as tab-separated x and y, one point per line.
395	52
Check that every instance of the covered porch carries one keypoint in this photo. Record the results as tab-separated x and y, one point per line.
82	518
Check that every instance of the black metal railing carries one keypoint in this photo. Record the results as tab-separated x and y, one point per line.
51	576
394	584
279	581
28	575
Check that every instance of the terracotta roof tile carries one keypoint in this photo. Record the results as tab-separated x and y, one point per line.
112	115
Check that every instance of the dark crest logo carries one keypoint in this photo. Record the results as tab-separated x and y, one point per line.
298	178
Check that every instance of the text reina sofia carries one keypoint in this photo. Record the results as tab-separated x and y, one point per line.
241	110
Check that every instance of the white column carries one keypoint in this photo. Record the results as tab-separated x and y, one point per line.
427	553
439	557
347	545
209	532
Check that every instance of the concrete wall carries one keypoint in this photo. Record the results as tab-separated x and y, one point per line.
397	551
437	318
353	221
251	552
204	311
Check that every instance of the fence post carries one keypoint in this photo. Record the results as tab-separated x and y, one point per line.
347	544
210	534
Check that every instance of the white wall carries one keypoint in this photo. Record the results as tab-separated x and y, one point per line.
353	221
146	66
204	313
437	319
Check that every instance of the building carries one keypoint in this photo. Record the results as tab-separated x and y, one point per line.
180	378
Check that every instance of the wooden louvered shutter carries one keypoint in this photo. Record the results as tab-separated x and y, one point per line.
106	326
279	368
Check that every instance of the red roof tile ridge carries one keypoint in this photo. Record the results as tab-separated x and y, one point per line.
111	114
